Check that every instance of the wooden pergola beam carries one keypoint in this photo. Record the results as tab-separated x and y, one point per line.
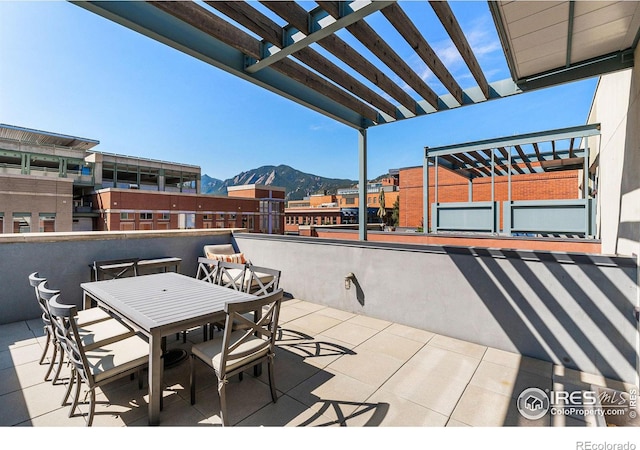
403	24
497	162
571	143
524	157
448	20
295	15
216	27
271	32
472	163
378	46
537	150
458	167
505	155
480	159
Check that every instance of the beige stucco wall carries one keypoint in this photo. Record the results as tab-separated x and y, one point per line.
616	107
35	195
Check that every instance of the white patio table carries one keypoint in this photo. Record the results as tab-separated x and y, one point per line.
158	305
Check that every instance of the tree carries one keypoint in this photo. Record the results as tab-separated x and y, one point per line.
382	212
395	213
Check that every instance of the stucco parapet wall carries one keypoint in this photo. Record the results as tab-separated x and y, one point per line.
499	253
112	235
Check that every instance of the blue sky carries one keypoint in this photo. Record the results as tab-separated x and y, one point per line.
69	71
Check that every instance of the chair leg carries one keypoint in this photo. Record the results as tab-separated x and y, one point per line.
92	407
140	376
69	387
184	337
223	403
56	377
192	379
272	383
46	347
76	397
52	362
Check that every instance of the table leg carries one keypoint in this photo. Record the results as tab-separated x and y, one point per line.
155	379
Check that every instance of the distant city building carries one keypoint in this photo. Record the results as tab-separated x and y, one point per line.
341	208
55	182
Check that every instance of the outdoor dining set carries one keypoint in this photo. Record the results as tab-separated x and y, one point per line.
127	315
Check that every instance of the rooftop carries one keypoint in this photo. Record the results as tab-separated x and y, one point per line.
333	368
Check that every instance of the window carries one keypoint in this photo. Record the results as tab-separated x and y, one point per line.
47	222
164	216
207	217
146	216
350	201
126	216
186	220
21	222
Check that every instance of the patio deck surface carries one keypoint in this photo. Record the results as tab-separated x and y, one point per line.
332	368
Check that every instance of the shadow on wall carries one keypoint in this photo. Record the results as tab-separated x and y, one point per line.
597	331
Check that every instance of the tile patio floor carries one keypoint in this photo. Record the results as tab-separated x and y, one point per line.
332	368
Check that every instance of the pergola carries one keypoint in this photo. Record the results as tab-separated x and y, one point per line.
276	45
531	153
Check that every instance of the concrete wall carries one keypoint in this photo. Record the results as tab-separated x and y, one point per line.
617	109
570	309
64	259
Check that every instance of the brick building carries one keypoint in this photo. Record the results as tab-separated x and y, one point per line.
55	182
455	188
128	209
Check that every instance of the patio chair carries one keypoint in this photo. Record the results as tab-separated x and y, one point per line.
261	280
85	317
115	268
100	365
93	334
231	275
207	270
34	280
237	350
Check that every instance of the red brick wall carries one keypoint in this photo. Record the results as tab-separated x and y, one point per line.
137	201
454	188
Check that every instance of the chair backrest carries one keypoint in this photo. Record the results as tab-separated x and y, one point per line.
115	268
66	330
219	249
262	280
231	275
208	270
245	344
34	280
44	294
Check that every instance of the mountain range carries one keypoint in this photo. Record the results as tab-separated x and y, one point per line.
296	183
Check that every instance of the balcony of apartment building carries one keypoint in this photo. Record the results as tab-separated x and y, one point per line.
370	334
377	332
